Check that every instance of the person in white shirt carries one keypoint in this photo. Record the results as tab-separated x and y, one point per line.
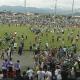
58	73
42	65
49	75
15	45
41	74
46	53
15	33
47	45
72	73
30	73
9	50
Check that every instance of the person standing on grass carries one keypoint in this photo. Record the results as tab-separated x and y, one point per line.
20	49
9	52
47	45
15	45
26	37
22	44
30	47
2	54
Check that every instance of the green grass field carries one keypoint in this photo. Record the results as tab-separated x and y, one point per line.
31	36
31	39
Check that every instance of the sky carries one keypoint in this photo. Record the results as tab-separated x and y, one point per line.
41	3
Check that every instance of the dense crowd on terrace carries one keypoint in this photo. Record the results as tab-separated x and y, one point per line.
36	19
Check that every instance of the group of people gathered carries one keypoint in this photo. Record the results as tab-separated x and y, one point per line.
46	66
49	64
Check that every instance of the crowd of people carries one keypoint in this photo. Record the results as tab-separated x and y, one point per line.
59	63
36	19
50	64
13	41
47	66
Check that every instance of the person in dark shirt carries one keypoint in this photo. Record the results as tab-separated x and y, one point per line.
20	49
2	55
25	76
17	68
4	68
64	73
